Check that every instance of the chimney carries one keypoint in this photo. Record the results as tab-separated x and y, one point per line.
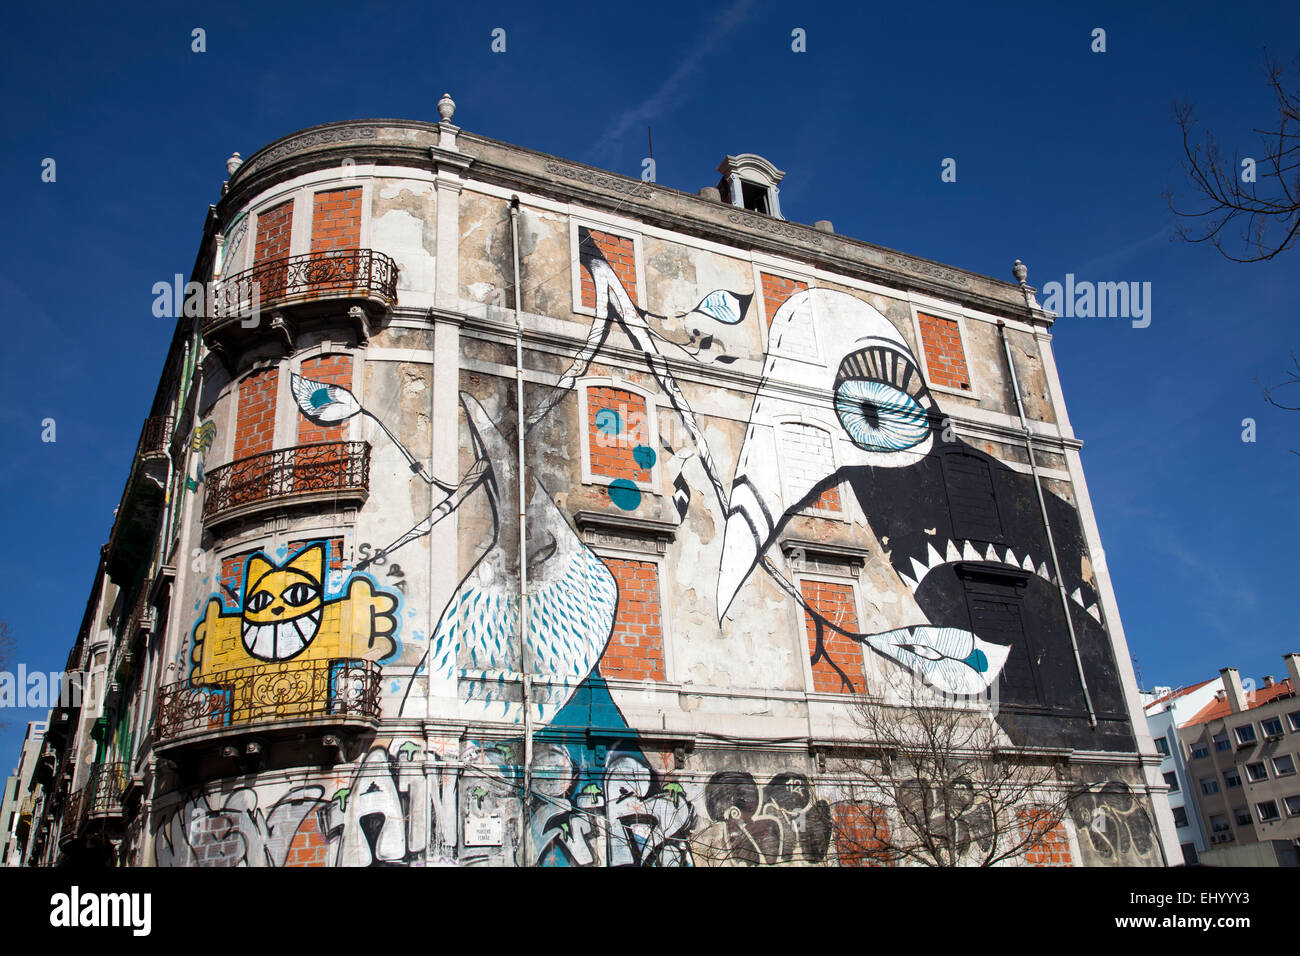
1293	669
1232	684
1268	680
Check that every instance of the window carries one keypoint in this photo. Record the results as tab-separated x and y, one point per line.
1272	727
1189	854
618	441
1293	806
1246	734
1243	817
1171	781
1162	746
833	601
636	646
750	182
1256	771
1231	778
623	253
1221	742
945	358
1180	816
1283	765
1294	717
1209	786
805	454
1267	811
1200	751
1219	823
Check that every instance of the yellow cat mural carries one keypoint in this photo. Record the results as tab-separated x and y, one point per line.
274	656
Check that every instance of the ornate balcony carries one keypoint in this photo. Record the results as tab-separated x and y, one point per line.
102	797
275	294
334	692
326	471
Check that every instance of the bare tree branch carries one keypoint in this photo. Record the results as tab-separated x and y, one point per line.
1259	209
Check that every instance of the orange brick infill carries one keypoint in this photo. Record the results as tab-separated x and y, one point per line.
612	454
620	253
1051	847
255	420
944	356
834	603
862	835
776	289
336	220
829	500
309	846
333	370
274	232
636	646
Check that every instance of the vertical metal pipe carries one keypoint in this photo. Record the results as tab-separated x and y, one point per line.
1047	525
526	799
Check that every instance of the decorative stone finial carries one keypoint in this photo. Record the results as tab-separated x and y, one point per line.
1020	271
446	107
233	163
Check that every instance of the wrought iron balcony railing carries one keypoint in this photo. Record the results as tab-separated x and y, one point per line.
323	469
102	796
71	824
285	690
155	436
332	274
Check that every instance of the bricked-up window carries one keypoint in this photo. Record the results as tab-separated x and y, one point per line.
619	252
618	439
1049	846
333	370
255	419
274	235
806	459
230	582
944	357
336	220
333	550
862	834
636	646
835	603
776	289
310	846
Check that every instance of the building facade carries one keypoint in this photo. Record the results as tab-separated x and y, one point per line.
1166	710
19	802
1243	748
726	474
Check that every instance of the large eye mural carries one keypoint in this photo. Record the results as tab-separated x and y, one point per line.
881	401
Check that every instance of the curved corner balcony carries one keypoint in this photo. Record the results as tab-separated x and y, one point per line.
260	699
314	284
335	471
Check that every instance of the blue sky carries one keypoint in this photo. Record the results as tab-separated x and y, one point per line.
1062	158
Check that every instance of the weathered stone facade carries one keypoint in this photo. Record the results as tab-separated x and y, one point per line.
766	468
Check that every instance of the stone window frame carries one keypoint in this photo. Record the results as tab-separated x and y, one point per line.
1251	775
1283	773
782	269
282	394
1259	809
955	314
787	499
615	227
869	672
666	610
584	426
303	195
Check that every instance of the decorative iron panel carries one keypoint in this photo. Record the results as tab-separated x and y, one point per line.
285	690
338	466
329	274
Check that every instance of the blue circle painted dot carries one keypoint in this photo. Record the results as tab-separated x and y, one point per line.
978	660
624	494
320	398
607	422
644	455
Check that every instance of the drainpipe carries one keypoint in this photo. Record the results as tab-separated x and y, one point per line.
1047	525
526	801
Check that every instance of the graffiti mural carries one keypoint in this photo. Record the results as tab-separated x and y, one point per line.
1114	828
236	833
781	822
286	618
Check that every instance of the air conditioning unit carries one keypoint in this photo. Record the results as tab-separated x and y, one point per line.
1277	736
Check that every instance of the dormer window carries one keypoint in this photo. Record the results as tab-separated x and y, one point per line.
750	182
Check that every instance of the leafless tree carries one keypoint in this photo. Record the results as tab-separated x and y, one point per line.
1248	209
1292	379
940	786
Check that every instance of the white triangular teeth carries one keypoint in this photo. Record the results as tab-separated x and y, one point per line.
1092	609
953	553
936	558
1077	597
1011	559
911	585
969	553
1042	572
992	555
1029	564
920	570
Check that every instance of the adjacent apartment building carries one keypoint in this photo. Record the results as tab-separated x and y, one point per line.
18	804
1167	710
496	509
1243	747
